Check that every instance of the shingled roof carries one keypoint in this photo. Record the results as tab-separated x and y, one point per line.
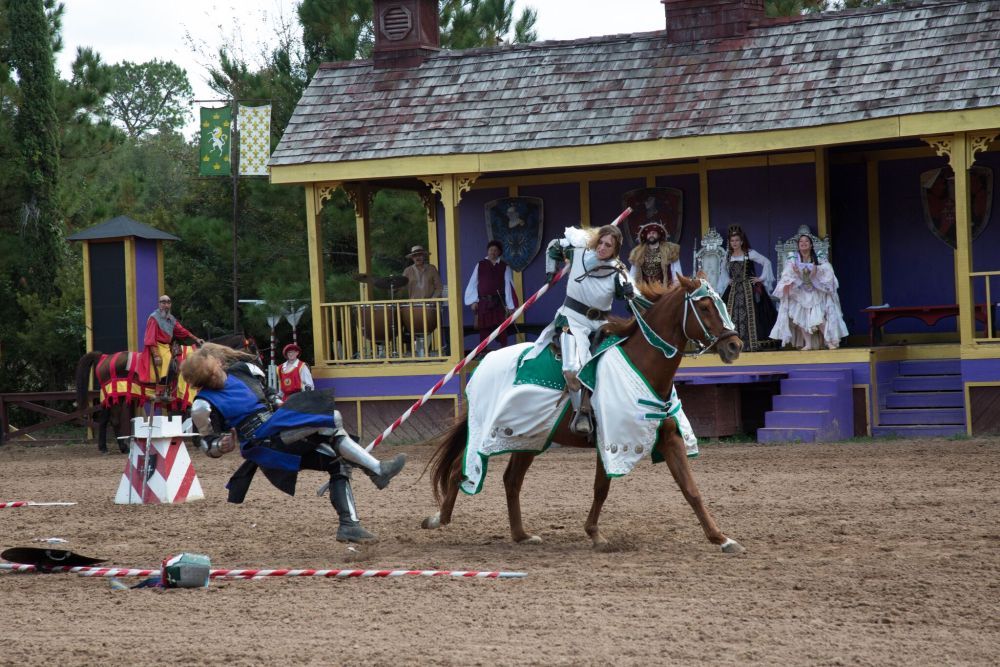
936	55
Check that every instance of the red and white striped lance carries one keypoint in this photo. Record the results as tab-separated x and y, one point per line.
262	574
479	348
28	503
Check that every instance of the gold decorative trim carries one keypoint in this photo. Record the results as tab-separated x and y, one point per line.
435	183
324	192
940	144
430	203
979	142
358	196
465	182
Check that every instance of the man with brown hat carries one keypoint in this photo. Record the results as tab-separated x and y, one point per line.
293	375
424	281
655	259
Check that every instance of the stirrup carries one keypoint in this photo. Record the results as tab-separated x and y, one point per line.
582	424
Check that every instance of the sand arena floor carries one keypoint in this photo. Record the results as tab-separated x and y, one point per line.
861	553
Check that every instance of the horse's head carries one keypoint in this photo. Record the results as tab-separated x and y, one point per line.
706	320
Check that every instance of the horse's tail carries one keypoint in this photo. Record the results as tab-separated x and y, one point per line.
84	367
451	447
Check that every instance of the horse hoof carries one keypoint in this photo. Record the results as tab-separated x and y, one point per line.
732	547
431	522
530	539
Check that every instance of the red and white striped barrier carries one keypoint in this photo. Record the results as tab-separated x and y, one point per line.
159	468
261	574
479	348
28	503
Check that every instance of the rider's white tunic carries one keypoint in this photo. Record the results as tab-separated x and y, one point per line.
595	292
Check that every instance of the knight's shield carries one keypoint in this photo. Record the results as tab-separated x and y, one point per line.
663	205
516	222
937	193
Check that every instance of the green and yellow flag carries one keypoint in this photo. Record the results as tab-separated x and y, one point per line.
216	145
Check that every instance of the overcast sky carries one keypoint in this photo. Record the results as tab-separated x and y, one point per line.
141	30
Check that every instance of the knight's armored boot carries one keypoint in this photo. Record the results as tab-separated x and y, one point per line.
342	499
380	472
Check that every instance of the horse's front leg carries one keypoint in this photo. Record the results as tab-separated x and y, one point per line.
602	484
513	477
671	445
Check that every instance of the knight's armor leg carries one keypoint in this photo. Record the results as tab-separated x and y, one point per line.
342	499
578	396
380	472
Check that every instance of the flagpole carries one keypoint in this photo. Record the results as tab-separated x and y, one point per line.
235	147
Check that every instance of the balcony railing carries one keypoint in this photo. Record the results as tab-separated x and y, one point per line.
366	332
991	332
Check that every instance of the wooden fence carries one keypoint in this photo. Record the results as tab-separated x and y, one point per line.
33	402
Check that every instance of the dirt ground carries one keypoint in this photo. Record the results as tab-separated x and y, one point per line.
859	553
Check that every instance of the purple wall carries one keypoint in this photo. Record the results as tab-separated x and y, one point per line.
768	202
396	385
146	282
917	267
849	242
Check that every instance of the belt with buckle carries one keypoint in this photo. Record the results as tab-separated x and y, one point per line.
587	311
246	428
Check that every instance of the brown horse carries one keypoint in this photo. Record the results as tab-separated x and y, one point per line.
679	315
122	390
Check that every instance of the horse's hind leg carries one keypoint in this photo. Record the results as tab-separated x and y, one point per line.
513	477
671	445
602	483
443	515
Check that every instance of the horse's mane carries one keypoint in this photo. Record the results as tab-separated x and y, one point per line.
622	326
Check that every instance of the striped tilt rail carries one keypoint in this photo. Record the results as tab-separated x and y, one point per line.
479	348
27	503
262	574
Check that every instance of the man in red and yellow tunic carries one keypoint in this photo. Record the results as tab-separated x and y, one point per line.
162	329
293	375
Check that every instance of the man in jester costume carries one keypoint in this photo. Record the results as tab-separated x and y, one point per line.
234	406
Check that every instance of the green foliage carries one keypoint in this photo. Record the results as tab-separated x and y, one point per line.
148	96
798	7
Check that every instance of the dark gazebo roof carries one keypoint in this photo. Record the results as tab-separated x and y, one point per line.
119	227
917	57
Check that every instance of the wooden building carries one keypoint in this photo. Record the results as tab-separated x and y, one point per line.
827	121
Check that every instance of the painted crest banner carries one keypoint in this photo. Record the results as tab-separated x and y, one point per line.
517	223
937	193
215	142
663	205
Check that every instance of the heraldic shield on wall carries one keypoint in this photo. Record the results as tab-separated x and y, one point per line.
516	222
663	205
937	192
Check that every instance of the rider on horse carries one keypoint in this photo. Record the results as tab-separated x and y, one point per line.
596	278
162	330
304	433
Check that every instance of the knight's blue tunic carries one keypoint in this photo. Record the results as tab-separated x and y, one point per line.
236	401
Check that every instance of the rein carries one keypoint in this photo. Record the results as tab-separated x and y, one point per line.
704	344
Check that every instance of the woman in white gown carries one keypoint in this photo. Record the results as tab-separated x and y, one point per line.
809	314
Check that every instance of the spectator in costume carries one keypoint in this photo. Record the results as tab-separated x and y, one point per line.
596	278
490	292
655	259
162	330
746	284
423	278
809	314
234	406
293	375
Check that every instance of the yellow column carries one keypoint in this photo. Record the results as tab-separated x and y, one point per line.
874	233
130	295
161	284
359	197
88	303
822	194
317	279
961	160
585	204
703	195
450	196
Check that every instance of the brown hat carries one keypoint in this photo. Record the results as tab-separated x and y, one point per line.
418	250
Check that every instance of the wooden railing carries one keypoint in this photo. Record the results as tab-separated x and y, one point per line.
365	332
32	402
991	333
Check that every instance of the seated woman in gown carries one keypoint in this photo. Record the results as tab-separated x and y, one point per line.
809	314
745	284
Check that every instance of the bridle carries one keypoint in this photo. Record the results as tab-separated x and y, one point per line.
708	339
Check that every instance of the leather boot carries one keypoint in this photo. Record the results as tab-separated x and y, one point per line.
342	499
